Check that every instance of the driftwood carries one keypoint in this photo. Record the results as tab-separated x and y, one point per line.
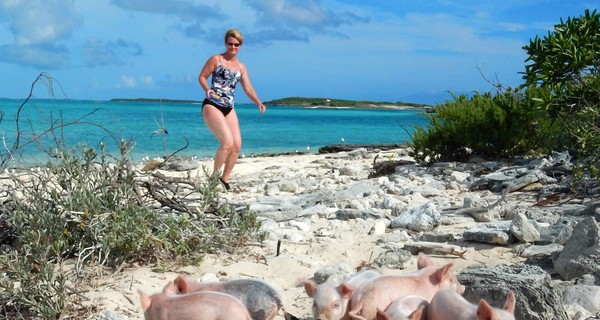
383	168
166	201
480	214
435	248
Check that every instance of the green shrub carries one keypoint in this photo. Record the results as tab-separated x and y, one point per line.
503	125
566	62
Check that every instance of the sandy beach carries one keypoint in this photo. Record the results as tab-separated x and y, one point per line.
323	240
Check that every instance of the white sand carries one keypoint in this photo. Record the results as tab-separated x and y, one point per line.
297	260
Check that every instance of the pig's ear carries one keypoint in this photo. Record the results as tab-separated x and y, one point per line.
382	315
444	272
510	303
424	261
145	301
310	287
345	290
170	288
484	310
181	284
417	314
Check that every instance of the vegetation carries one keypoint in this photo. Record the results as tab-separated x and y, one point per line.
338	103
557	108
87	210
500	125
567	63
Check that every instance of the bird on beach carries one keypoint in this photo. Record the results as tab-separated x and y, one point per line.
161	129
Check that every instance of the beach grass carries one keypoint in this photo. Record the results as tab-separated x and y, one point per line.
89	210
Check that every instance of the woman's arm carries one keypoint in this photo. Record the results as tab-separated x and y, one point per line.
249	90
207	70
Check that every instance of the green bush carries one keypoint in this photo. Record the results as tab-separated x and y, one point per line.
567	63
503	125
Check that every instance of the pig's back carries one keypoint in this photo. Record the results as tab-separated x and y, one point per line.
261	300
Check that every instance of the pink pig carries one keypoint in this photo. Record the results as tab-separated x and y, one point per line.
404	308
380	292
207	305
330	302
447	304
262	301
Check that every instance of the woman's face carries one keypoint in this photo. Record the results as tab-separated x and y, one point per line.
232	45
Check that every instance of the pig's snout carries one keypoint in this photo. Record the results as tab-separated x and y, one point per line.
326	315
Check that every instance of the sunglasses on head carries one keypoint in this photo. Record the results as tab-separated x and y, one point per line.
231	44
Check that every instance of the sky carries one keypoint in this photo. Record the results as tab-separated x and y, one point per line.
418	51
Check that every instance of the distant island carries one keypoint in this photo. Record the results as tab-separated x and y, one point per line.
339	103
307	102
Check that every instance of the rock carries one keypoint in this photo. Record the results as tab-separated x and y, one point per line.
523	230
536	299
436	237
180	164
349	214
581	254
542	256
588	297
422	218
379	227
336	272
335	148
529	178
351	170
494	233
396	236
111	315
288	186
393	259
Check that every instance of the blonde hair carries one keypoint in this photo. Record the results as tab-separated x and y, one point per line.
234	33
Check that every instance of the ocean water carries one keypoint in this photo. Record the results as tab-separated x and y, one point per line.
280	129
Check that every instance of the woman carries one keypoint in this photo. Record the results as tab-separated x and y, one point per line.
218	106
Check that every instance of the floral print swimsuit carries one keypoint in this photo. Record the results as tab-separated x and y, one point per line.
223	84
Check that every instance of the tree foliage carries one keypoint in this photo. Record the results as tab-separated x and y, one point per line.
557	108
567	62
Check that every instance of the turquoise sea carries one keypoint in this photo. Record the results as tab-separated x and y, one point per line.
281	129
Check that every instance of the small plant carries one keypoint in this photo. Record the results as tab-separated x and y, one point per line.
31	285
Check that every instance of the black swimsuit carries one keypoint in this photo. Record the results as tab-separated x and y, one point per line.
224	110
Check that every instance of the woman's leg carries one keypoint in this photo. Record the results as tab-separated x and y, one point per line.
234	127
219	126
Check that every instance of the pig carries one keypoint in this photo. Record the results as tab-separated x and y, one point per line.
330	302
448	304
262	301
404	308
207	305
380	292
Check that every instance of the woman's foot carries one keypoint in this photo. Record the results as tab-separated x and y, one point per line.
225	184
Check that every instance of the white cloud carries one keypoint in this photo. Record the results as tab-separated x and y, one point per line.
147	80
41	21
127	82
131	82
